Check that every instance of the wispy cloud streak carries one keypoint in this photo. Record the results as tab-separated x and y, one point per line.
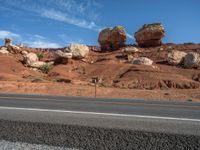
9	34
74	12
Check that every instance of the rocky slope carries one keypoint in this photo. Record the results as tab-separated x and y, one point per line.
166	71
113	71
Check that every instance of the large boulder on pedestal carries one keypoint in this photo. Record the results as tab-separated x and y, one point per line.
112	38
150	35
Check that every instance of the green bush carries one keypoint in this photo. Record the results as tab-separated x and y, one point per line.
40	56
45	68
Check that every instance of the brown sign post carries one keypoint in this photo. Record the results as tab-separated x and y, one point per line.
95	81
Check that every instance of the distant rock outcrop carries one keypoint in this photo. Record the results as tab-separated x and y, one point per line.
142	61
31	60
61	57
38	64
7	42
62	54
78	51
10	47
112	38
130	50
192	60
4	50
175	57
150	35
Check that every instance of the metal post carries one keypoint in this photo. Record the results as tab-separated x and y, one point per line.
95	88
95	80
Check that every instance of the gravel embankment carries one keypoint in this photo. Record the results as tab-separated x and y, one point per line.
93	138
5	145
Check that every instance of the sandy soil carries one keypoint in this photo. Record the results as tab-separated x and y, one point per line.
82	90
116	77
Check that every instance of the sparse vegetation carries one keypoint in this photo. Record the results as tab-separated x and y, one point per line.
46	68
40	56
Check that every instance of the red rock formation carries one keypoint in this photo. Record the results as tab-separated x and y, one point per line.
112	38
150	35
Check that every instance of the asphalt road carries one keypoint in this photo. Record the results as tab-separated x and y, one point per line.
154	116
97	124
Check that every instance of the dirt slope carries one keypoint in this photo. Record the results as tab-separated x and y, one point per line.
116	78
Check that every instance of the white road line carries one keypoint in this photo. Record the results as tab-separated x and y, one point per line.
102	114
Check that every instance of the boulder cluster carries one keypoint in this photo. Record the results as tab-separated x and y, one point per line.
147	36
73	51
187	60
31	60
9	47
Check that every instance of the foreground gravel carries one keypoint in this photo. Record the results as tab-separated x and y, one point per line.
92	138
5	145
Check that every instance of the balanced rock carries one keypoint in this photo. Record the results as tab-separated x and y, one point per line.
7	42
150	35
112	38
192	60
175	57
142	61
10	47
78	51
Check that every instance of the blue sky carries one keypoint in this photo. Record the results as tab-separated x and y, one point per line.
57	23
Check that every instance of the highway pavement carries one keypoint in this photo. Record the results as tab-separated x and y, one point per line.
139	115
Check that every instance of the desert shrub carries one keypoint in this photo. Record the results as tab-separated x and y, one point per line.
40	56
45	68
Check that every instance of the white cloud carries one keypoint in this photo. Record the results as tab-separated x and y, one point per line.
39	36
43	44
79	13
36	40
63	17
9	34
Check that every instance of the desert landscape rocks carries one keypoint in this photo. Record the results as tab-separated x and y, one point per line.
78	51
150	35
62	54
175	57
4	50
37	64
31	60
7	42
130	50
196	77
192	60
112	38
24	52
62	57
142	61
129	67
10	47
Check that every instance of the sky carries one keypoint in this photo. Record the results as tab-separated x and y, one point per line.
57	23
